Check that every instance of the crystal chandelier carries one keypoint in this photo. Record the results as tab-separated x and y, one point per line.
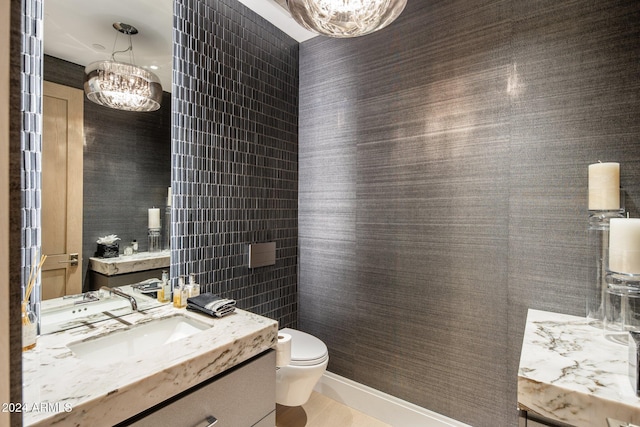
122	85
345	18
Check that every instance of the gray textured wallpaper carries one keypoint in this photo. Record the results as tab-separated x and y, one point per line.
443	187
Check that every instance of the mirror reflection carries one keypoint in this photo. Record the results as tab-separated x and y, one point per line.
103	169
71	311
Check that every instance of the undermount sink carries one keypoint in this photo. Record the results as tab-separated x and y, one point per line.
135	340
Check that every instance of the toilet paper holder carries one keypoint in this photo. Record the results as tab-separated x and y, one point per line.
283	350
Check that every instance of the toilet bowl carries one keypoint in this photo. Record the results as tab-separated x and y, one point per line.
309	359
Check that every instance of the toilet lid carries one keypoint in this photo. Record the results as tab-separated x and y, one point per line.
305	349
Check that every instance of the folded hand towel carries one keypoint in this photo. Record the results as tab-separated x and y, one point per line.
211	304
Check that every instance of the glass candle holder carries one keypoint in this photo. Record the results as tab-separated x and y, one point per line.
154	240
167	227
599	224
621	306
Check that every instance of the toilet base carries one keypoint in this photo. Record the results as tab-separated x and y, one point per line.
294	384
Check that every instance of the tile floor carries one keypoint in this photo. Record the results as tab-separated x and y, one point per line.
321	411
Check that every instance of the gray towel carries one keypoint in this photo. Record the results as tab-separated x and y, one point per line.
211	304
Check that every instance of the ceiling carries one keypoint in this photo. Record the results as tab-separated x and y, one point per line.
81	31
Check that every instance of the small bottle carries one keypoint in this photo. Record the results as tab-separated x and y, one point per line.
184	296
164	293
134	245
166	286
179	294
194	288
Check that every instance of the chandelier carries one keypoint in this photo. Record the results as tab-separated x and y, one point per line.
345	18
122	85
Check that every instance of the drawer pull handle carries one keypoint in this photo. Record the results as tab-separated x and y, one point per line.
208	422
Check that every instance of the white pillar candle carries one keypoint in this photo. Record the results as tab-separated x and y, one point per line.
154	218
604	186
624	245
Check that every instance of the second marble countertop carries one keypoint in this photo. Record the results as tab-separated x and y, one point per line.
122	264
570	373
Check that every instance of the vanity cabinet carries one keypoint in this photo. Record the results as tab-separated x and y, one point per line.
529	420
243	396
98	280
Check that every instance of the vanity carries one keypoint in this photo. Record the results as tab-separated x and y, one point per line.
207	369
570	375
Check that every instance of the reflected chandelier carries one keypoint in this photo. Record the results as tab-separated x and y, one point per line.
345	18
122	85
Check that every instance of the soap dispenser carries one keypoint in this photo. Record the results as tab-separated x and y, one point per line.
179	294
184	294
166	285
164	294
194	288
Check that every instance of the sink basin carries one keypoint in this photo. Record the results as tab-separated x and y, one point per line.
135	340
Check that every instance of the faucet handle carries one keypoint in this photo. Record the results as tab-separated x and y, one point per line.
90	296
87	297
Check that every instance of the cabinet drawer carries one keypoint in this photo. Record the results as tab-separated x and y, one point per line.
243	397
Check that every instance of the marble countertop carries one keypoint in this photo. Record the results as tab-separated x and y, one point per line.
570	373
130	263
59	389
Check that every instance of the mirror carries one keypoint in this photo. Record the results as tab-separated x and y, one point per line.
59	314
126	155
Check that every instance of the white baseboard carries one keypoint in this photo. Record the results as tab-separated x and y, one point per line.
379	405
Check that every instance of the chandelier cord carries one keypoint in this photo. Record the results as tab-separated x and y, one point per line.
129	49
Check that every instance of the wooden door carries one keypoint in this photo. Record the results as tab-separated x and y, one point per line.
62	153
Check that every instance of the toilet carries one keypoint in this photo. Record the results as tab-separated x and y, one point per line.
309	359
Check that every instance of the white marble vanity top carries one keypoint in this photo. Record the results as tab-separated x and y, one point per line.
130	263
55	381
570	373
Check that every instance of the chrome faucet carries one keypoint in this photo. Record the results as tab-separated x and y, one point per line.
132	300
